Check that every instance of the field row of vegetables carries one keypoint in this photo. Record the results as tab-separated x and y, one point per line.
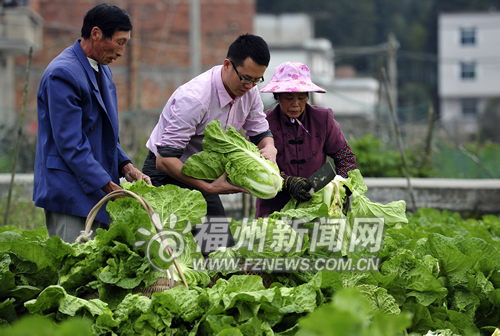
439	274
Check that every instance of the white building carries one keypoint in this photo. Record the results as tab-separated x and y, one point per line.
291	38
469	68
20	29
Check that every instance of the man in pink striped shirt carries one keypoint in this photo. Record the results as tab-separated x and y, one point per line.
227	93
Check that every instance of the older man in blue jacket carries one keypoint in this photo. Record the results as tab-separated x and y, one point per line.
79	158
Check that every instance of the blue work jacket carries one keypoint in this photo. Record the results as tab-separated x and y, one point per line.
78	149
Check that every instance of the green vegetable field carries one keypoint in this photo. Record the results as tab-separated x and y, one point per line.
437	273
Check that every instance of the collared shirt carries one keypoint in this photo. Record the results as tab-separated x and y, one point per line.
203	99
93	64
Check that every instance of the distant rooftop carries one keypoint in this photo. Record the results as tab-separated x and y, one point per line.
478	13
284	30
14	3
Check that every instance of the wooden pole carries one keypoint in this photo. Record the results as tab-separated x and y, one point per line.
428	144
378	116
400	141
195	37
19	133
393	68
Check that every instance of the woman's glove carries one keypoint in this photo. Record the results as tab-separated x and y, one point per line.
298	187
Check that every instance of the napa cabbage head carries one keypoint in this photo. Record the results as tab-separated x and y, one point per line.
268	238
229	151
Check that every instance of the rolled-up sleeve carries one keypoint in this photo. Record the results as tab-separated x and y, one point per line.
167	151
258	138
345	161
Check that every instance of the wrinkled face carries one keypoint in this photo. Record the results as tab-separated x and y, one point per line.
293	103
249	70
106	51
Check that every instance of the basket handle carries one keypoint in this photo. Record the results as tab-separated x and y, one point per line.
85	235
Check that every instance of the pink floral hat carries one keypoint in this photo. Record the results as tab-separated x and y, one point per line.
291	77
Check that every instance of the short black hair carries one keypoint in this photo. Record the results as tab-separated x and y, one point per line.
249	45
108	18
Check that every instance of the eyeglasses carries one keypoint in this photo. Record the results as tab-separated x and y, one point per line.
247	81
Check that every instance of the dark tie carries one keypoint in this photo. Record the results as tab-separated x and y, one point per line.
98	78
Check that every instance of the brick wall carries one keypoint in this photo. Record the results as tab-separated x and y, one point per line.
156	60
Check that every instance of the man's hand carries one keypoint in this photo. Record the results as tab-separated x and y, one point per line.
132	174
110	187
222	186
173	166
269	152
267	149
298	187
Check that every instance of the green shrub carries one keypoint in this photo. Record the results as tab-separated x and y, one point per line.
376	160
22	214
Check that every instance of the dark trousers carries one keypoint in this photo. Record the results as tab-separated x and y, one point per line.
215	231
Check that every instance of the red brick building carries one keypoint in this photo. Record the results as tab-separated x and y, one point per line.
157	59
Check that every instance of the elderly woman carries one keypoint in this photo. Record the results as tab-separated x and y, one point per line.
303	134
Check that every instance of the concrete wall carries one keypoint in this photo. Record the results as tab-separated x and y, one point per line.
450	194
457	195
23	186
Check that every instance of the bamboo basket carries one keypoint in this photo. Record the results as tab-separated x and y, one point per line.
162	284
